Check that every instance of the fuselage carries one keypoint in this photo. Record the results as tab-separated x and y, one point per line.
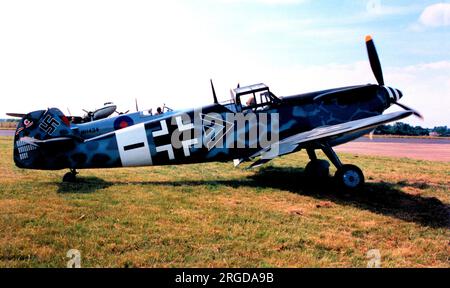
211	133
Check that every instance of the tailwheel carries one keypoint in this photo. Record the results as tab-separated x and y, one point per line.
71	176
349	177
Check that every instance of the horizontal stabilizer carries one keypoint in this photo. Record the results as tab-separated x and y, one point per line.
17	115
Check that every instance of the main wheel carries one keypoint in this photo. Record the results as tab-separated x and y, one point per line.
70	177
349	177
317	169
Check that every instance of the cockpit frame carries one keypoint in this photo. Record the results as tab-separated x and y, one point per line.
258	95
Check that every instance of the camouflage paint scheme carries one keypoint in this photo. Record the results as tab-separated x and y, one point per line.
108	143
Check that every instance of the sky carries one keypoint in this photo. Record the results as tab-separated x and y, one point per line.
77	55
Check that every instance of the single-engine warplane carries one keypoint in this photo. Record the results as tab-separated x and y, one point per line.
237	130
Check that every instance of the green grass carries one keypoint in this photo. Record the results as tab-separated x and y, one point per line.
213	215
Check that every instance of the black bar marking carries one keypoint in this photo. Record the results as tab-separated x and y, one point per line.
134	146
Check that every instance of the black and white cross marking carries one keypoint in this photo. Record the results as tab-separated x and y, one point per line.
214	129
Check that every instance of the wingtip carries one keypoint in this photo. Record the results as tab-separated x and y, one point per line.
368	38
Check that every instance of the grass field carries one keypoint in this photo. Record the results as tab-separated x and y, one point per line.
213	215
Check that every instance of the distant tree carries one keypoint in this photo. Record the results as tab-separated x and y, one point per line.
442	131
9	120
403	129
384	130
420	131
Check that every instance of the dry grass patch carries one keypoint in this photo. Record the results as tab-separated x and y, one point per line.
213	215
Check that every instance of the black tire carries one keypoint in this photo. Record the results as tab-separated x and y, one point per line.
70	177
349	177
317	169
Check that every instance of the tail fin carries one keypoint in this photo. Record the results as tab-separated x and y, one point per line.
33	130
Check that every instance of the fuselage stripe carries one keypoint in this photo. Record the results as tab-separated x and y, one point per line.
134	146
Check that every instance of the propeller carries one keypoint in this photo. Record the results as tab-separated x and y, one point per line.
121	113
89	113
167	108
137	108
378	73
374	60
415	112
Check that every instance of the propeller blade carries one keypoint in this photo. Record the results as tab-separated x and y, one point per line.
410	109
17	115
137	109
121	113
374	60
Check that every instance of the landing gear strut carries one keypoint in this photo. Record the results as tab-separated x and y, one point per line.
71	176
348	177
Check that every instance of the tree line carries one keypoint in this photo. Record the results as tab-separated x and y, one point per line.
404	129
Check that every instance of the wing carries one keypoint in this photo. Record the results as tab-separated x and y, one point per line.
323	134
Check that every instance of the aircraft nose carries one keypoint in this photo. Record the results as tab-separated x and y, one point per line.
394	94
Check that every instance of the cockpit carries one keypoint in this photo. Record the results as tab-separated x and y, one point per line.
252	98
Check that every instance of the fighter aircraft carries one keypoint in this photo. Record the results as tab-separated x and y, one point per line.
237	130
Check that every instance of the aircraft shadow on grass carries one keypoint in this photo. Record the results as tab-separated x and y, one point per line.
84	185
379	197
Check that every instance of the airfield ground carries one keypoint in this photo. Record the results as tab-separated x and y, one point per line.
214	215
433	149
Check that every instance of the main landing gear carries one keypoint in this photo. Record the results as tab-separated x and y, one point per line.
348	177
71	176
